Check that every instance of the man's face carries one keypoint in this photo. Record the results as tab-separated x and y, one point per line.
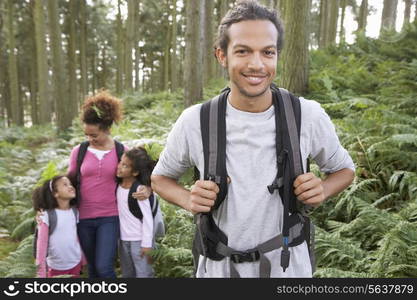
251	56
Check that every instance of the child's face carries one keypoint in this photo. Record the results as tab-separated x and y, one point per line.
64	189
125	168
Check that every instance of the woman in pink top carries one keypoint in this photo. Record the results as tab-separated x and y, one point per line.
98	228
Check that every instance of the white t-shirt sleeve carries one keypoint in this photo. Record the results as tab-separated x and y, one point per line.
326	149
175	158
147	223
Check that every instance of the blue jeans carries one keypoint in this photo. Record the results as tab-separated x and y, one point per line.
98	239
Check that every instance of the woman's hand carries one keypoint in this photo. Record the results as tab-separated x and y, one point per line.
142	193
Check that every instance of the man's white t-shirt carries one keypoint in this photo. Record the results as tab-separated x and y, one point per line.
251	215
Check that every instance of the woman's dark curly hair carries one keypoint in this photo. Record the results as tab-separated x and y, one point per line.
43	196
141	163
101	109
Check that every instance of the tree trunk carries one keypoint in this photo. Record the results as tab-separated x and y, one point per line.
223	8
94	69
33	83
5	110
83	50
59	87
174	28
342	39
72	103
415	11
104	70
389	15
322	38
209	61
167	43
334	14
120	69
193	88
42	62
363	15
136	46
294	76
17	110
130	37
407	12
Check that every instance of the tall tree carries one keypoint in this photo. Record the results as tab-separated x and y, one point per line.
407	12
322	36
119	43
5	108
342	22
59	87
72	104
389	15
363	15
83	49
173	58
136	46
167	47
208	57
17	109
193	85
415	11
328	22
333	17
42	63
130	38
294	76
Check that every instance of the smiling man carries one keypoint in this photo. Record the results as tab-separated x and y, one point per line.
251	162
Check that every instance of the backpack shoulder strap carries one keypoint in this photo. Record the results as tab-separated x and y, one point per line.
291	105
153	201
133	204
120	149
52	219
213	134
81	154
82	150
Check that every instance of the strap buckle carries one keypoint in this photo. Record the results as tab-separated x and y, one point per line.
244	256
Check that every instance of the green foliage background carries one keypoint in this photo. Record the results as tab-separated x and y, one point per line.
369	90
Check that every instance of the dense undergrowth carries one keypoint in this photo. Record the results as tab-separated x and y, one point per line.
369	90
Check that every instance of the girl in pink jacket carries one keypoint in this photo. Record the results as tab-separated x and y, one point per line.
58	250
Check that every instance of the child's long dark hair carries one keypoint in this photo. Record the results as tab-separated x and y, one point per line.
142	163
43	196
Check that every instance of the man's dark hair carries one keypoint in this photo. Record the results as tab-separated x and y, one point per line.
243	11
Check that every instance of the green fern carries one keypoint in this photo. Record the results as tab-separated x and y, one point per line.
19	263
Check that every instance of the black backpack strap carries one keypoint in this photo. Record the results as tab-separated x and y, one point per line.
154	203
288	125
120	149
82	150
213	132
52	220
133	203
